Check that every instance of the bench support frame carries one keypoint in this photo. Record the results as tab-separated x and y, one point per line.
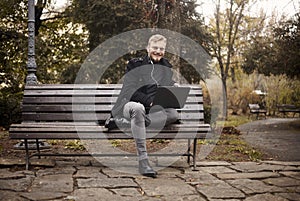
39	154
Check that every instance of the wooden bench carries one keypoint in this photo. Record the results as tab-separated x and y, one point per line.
79	111
256	109
288	108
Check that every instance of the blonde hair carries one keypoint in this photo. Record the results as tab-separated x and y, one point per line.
156	38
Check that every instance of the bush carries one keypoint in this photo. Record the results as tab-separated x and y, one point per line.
211	115
281	90
240	93
10	108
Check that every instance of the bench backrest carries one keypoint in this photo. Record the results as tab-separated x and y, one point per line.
88	103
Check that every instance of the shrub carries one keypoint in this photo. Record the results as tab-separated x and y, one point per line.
10	108
282	90
211	115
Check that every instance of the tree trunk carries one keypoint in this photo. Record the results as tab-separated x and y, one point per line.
169	18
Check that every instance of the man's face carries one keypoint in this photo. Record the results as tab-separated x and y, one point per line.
156	50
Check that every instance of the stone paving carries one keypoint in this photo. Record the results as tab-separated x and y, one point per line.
88	180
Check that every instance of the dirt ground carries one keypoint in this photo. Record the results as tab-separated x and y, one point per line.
230	146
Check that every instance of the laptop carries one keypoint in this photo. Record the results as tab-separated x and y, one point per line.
171	97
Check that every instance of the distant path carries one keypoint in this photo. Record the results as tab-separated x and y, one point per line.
280	137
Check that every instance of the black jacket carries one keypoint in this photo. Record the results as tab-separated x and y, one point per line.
140	82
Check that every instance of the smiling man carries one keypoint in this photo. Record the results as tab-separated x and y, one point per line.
134	104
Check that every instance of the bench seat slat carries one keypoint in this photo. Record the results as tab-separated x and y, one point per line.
88	124
118	135
89	116
96	128
90	107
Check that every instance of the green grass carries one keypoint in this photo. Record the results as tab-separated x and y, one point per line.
234	120
237	120
74	145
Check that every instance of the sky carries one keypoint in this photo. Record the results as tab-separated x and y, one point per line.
286	7
280	7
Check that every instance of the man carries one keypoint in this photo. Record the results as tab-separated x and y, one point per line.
143	76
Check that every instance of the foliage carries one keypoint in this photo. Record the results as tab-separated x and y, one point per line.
241	92
115	143
74	145
276	53
10	108
281	90
59	47
105	19
13	43
236	120
210	115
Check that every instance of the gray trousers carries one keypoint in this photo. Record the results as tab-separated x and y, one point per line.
159	117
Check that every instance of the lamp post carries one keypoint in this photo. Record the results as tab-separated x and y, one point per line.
31	78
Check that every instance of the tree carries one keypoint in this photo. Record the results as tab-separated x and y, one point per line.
277	53
105	19
287	37
58	46
13	42
226	32
181	16
61	46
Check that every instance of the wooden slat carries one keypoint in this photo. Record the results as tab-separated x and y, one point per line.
90	107
75	131
83	124
97	132
89	116
79	93
85	86
73	93
97	129
86	99
72	86
68	100
104	136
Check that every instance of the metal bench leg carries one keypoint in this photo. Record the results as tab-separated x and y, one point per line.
194	154
189	151
27	154
38	148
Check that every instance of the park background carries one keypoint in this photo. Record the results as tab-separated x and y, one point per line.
254	46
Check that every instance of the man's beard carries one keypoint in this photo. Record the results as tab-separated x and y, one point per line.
156	57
